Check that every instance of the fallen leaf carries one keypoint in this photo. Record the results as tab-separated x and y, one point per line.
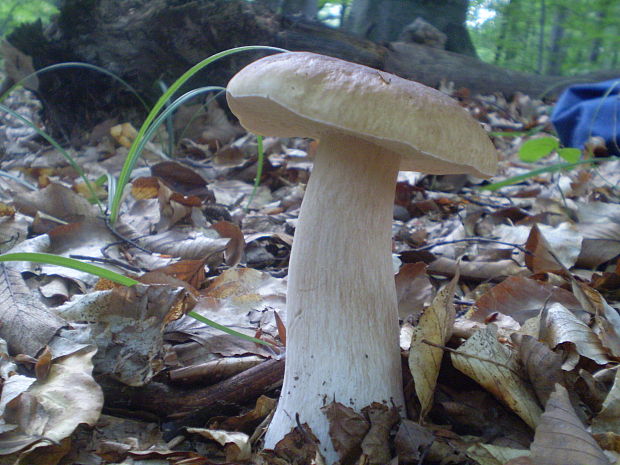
347	429
21	313
521	298
561	438
412	440
492	365
560	326
543	366
434	326
375	445
236	445
608	419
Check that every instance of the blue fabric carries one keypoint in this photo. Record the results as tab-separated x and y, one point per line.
586	110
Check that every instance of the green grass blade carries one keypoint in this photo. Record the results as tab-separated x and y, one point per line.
62	151
227	330
51	259
547	169
259	170
165	116
124	177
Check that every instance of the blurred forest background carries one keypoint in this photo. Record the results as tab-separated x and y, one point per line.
559	37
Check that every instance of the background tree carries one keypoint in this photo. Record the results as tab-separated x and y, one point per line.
383	21
547	36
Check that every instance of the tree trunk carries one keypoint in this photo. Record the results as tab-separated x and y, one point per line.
383	21
557	49
167	40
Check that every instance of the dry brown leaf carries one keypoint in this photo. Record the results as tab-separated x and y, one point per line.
492	365
145	188
556	250
190	271
183	244
521	298
347	429
434	326
57	201
543	366
412	440
561	438
608	419
560	326
375	444
127	324
413	289
43	365
236	245
249	420
599	223
606	319
53	408
22	313
489	454
300	446
236	445
608	441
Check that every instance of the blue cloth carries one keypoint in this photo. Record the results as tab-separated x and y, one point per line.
586	110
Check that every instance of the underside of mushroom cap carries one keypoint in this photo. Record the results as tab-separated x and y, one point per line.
308	95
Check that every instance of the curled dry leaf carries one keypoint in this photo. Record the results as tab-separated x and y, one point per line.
434	326
608	419
413	289
492	365
555	250
543	366
560	326
561	438
249	420
236	244
236	445
300	446
375	444
606	319
347	429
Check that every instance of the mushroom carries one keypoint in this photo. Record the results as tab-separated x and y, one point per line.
342	318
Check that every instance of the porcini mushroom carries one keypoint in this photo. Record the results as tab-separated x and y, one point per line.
342	320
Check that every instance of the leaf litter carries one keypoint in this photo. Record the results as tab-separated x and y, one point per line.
508	303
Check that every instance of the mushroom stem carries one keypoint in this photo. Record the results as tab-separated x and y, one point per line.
342	318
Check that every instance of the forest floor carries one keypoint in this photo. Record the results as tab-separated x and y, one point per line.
95	373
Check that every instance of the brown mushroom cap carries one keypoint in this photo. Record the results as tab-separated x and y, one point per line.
308	95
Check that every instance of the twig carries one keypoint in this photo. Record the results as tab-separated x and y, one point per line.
482	359
124	239
109	261
473	239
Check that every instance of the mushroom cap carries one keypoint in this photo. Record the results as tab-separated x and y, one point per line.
308	95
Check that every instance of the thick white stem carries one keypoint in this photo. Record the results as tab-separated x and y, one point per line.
342	318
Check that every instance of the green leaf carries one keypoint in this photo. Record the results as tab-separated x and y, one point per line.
535	149
570	154
227	330
51	259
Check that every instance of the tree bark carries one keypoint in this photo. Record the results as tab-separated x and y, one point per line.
157	40
383	21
